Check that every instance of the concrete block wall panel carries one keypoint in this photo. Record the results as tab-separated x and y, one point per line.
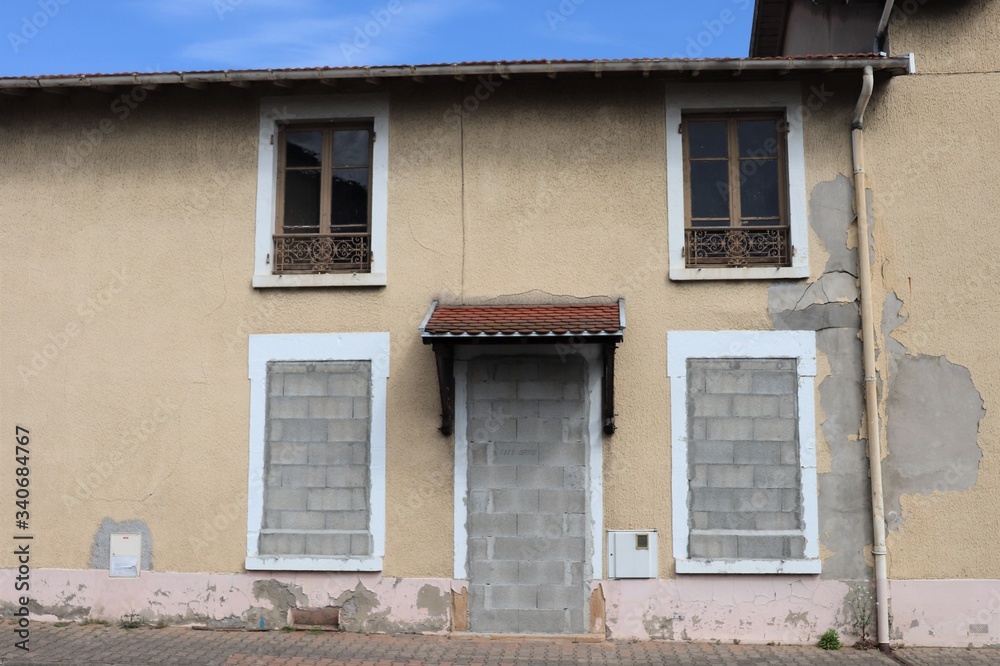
316	497
528	547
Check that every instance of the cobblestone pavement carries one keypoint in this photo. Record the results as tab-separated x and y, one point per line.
949	657
95	644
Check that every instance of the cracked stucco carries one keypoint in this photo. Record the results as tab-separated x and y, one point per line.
829	306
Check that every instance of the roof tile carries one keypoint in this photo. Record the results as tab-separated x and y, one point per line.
524	319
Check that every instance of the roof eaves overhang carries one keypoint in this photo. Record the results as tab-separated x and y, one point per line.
661	68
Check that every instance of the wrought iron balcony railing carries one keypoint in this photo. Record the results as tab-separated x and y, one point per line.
322	253
737	247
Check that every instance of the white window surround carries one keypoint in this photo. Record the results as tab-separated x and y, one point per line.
595	462
691	98
373	347
320	108
800	345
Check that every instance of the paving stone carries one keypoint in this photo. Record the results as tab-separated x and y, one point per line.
90	645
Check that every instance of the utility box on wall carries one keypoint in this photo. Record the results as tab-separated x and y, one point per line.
632	554
126	555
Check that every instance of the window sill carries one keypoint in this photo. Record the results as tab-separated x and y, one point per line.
329	280
291	563
757	273
749	566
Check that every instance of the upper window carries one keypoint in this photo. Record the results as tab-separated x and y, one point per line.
322	192
736	182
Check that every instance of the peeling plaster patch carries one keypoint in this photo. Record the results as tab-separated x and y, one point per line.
831	213
659	628
830	306
844	492
933	412
818	317
281	595
892	318
100	551
63	611
433	600
794	619
356	608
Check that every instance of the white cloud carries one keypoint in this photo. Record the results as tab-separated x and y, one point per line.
376	37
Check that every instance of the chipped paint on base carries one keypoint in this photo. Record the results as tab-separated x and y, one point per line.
946	613
751	609
370	602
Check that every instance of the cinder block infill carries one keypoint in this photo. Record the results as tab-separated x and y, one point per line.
528	638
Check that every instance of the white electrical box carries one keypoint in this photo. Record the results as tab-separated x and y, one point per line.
632	554
126	555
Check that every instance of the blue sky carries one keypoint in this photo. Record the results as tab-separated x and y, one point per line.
89	36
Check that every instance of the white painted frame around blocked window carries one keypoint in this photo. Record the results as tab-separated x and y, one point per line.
800	345
595	433
274	110
735	97
372	347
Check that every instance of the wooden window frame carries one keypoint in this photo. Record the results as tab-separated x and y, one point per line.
361	254
735	162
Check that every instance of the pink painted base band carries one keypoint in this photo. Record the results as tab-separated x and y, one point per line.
751	609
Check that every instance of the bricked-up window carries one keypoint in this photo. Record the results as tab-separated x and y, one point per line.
316	483
743	431
316	477
324	202
736	190
745	498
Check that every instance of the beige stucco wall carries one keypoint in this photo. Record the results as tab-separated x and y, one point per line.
564	193
932	148
557	192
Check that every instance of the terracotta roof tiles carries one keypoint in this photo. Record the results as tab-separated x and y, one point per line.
524	320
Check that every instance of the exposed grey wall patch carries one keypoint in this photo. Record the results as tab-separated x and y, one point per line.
100	551
830	306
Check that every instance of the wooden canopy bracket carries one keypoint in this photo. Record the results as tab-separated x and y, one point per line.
608	389
445	356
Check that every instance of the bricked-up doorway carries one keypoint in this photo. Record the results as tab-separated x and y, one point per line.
529	521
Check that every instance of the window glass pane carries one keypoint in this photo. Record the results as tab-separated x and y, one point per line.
303	149
759	189
708	138
350	148
710	189
302	195
350	200
758	138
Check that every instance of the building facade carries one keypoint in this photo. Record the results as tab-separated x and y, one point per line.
546	347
